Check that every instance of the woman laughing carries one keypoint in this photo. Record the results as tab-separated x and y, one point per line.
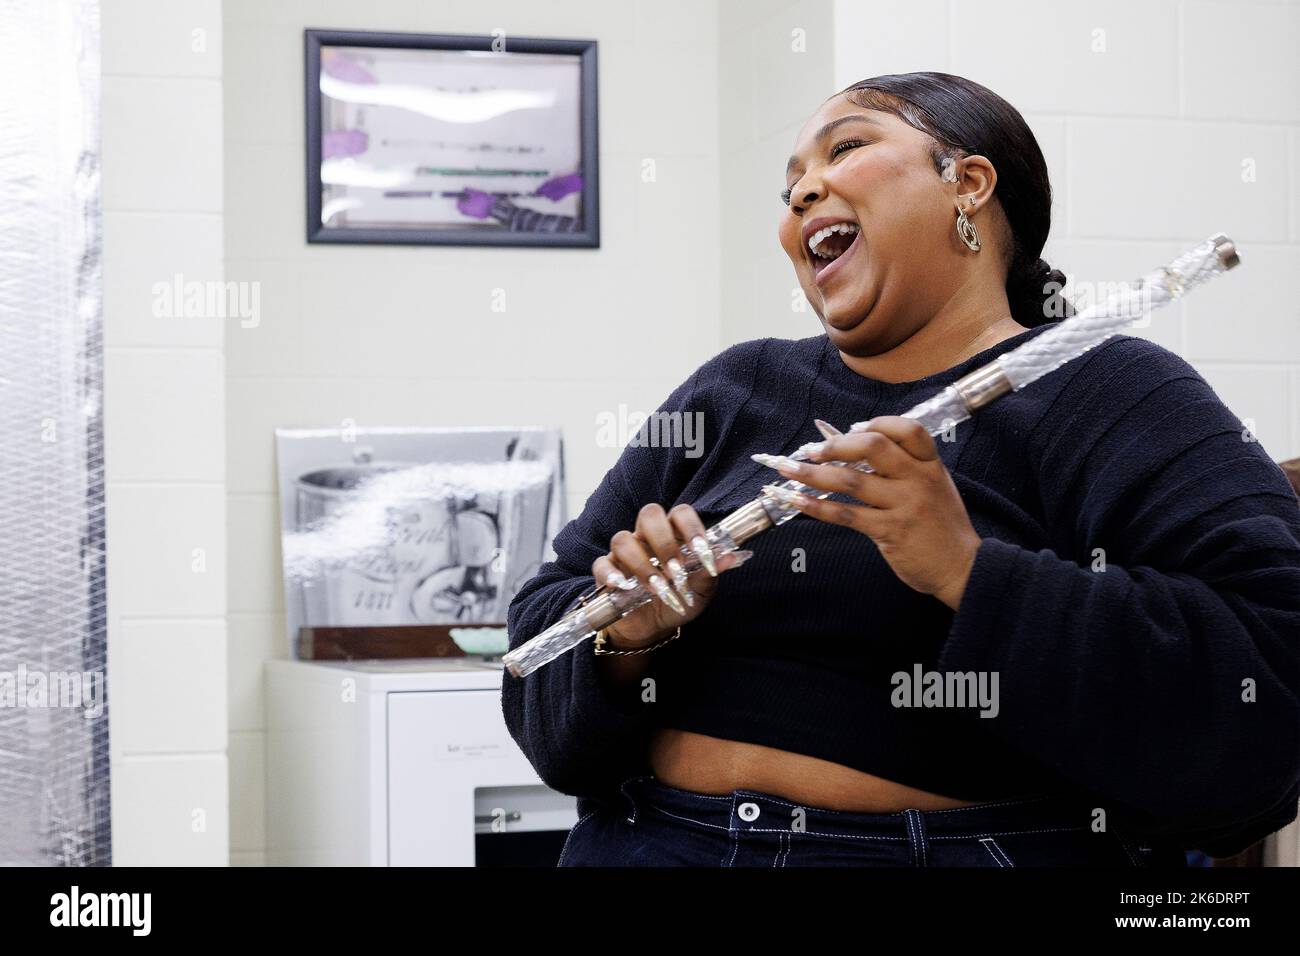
1102	555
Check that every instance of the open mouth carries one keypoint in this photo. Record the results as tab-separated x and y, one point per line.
829	243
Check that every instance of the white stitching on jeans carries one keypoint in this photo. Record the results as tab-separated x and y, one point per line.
911	835
1016	832
1000	803
850	813
1127	849
803	806
834	836
714	826
854	836
984	842
999	855
917	835
677	816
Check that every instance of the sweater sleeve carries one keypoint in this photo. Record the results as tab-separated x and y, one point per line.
1152	655
580	734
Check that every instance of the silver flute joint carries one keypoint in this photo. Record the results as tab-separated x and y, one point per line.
983	386
746	521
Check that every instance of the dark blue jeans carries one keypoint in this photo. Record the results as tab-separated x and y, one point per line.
652	824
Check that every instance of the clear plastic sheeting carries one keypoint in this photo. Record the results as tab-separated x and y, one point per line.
54	760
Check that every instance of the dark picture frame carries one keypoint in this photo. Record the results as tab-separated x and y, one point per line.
549	193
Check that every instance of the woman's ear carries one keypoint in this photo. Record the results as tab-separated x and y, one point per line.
974	178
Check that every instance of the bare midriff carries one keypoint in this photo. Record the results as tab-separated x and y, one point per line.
710	765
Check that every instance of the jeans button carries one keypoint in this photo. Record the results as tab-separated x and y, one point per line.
748	812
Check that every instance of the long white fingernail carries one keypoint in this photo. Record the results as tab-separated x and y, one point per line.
741	558
775	461
616	580
665	593
680	581
702	551
826	428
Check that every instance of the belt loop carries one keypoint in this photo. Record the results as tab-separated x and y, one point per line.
916	836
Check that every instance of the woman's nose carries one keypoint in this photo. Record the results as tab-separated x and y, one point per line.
807	198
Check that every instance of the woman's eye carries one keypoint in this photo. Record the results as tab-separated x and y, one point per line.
846	145
835	151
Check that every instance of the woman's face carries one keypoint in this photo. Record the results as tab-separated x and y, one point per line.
870	176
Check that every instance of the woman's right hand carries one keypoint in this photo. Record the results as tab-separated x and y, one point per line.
659	534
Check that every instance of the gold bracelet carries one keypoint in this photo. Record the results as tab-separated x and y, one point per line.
602	640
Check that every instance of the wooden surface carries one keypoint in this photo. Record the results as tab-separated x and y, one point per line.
377	643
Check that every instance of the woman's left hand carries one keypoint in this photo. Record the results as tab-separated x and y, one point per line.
916	517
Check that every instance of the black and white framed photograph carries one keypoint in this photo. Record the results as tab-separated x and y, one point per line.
448	139
408	526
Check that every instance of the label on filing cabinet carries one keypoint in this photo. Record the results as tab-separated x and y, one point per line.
462	749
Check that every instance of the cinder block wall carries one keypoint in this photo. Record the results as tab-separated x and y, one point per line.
164	429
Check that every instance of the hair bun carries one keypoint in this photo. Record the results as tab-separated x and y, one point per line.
1041	273
1034	294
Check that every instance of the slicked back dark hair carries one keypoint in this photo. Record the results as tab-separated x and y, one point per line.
966	119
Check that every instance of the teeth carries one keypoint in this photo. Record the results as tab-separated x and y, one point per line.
816	239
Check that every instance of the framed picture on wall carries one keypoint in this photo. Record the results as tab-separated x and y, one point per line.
389	528
445	139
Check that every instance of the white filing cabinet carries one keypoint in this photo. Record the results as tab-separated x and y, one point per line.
398	763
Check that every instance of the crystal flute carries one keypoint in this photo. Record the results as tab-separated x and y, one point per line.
956	403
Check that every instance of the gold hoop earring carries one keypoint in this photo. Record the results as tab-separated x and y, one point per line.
967	232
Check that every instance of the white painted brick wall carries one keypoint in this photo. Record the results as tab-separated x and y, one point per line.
164	415
775	63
